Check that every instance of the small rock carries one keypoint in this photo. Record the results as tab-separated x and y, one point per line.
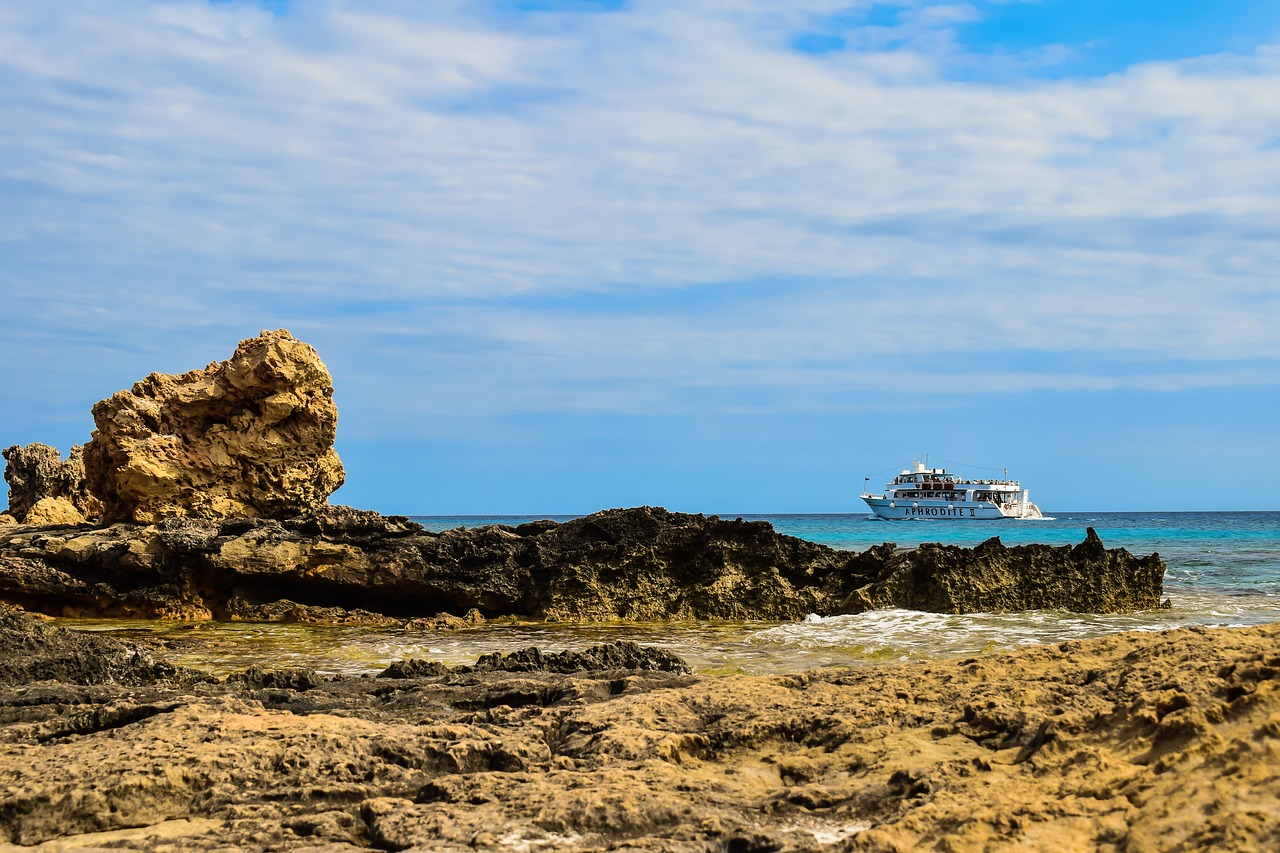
36	472
48	512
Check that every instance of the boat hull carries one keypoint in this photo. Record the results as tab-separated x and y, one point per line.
885	508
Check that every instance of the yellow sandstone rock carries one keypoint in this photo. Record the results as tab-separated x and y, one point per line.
251	437
51	511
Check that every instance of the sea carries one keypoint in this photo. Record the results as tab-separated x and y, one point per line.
1223	570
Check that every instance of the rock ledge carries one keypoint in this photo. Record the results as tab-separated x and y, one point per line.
337	564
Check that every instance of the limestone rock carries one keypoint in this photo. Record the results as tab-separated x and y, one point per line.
251	437
36	471
603	657
1140	741
53	511
6	518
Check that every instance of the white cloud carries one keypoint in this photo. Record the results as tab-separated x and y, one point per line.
382	152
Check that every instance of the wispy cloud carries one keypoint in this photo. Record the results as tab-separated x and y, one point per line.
178	164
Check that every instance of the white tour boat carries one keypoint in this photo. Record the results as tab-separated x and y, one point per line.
937	493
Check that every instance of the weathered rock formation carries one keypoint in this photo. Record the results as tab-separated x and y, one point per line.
644	564
38	477
251	437
992	578
1139	741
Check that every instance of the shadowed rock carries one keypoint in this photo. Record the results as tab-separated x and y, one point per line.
31	650
251	437
343	565
993	578
607	656
44	489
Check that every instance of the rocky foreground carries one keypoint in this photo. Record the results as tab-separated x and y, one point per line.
1137	742
338	564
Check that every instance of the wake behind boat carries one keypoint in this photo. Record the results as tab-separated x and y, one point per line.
937	493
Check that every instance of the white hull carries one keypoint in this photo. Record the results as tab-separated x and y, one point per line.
927	509
935	493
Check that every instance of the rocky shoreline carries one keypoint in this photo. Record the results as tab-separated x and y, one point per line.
337	564
204	495
1139	741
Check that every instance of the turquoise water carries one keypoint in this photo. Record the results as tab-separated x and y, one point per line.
1236	553
1223	570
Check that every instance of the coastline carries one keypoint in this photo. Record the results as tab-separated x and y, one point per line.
1082	745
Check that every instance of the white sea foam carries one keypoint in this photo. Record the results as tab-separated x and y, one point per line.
903	635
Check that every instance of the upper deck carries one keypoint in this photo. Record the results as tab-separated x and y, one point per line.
932	479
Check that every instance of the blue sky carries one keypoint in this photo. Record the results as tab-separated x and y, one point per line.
715	255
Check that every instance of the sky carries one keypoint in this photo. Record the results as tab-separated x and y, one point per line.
723	256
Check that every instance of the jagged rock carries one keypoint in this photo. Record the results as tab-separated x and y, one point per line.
645	564
416	668
53	511
31	651
251	437
37	471
6	518
445	622
604	657
279	679
993	578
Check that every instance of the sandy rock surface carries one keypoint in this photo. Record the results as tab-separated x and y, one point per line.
1137	742
53	512
245	438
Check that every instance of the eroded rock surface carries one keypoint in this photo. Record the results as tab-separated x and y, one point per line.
993	578
1139	741
53	512
38	476
645	564
251	437
32	650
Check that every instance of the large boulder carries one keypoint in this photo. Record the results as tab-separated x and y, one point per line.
36	474
251	437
